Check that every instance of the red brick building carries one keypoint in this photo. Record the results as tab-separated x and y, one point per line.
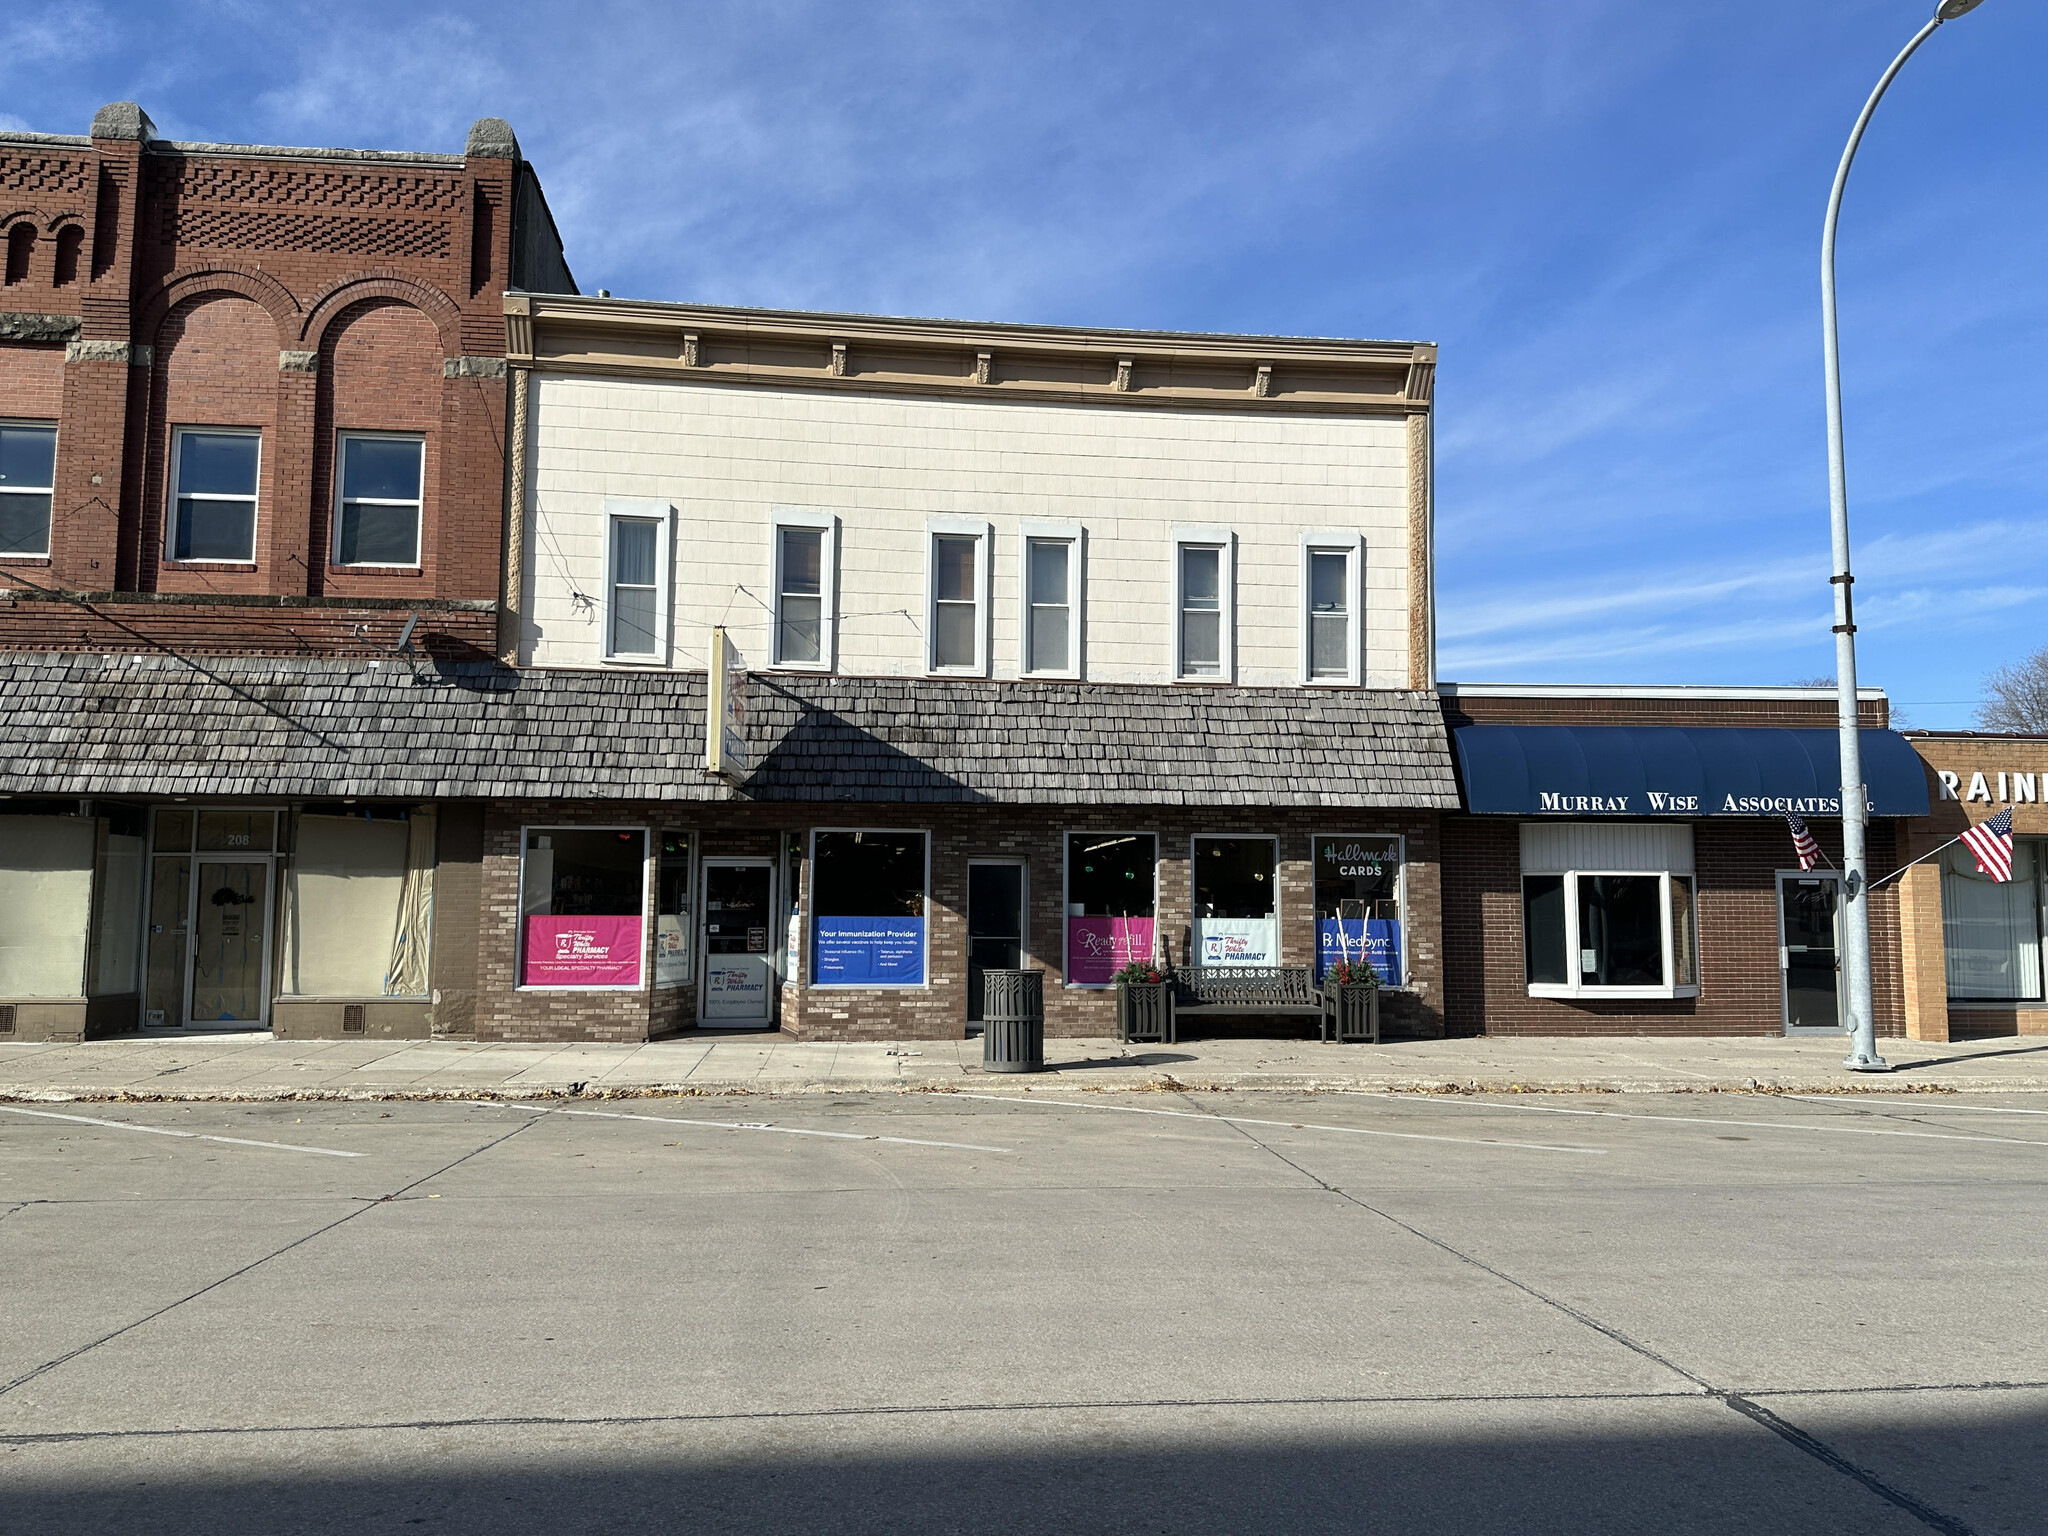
1625	866
252	399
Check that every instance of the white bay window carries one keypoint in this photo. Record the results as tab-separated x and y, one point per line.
1608	910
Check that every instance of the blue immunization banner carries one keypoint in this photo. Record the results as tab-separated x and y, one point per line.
1377	939
868	952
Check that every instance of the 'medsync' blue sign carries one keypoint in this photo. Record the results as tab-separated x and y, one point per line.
868	952
1377	939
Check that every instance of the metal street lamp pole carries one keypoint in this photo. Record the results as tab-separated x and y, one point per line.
1862	1024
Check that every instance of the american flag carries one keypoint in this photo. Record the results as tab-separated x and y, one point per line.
1991	842
1802	842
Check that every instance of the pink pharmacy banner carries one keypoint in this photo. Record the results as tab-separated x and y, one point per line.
1098	947
582	952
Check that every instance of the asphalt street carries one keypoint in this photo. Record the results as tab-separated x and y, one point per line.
1063	1312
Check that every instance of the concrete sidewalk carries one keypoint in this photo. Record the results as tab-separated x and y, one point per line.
178	1066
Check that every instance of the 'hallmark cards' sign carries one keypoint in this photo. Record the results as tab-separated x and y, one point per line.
582	952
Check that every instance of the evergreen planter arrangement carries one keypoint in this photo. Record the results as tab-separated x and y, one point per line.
1144	1005
1351	1004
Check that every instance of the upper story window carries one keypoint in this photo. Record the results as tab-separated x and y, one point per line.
636	582
28	472
1330	592
1203	620
213	479
1052	602
958	564
805	559
380	501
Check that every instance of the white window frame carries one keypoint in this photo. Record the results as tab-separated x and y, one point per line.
178	436
826	523
418	504
1352	547
1592	991
1066	863
984	536
1075	537
1225	540
1400	841
648	894
50	490
662	515
810	919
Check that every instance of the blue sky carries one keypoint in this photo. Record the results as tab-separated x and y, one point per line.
1606	213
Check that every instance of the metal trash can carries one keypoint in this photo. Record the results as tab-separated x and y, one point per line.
1013	1021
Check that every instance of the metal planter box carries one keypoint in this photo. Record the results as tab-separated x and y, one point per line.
1144	1012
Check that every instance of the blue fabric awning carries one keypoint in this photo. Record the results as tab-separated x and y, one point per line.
1636	770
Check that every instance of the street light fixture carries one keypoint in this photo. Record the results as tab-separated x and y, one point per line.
1863	1055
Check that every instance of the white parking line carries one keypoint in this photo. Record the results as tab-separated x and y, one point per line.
1292	1125
747	1125
1922	1105
158	1130
1615	1114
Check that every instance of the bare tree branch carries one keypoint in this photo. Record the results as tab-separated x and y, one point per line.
2016	697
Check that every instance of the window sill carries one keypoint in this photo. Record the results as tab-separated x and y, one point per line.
25	560
1997	1004
336	568
1607	994
213	567
868	986
618	986
644	662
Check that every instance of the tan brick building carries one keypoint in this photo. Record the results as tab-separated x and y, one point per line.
1970	947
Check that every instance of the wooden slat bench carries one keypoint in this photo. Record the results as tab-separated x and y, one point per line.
1200	990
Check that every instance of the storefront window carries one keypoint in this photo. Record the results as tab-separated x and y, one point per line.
1609	910
672	912
583	906
868	909
1111	916
117	903
46	865
1991	930
1237	901
358	902
1358	904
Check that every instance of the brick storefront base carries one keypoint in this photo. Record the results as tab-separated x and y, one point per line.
958	833
1736	863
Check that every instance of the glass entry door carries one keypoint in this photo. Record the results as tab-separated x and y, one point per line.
995	925
230	943
1809	953
739	944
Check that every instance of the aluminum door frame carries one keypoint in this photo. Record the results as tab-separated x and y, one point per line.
268	905
1785	1024
775	946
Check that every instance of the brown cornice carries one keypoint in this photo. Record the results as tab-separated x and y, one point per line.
967	360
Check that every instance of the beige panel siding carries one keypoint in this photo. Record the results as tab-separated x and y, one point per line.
728	458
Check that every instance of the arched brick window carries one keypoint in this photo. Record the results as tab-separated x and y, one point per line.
21	249
69	239
380	388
